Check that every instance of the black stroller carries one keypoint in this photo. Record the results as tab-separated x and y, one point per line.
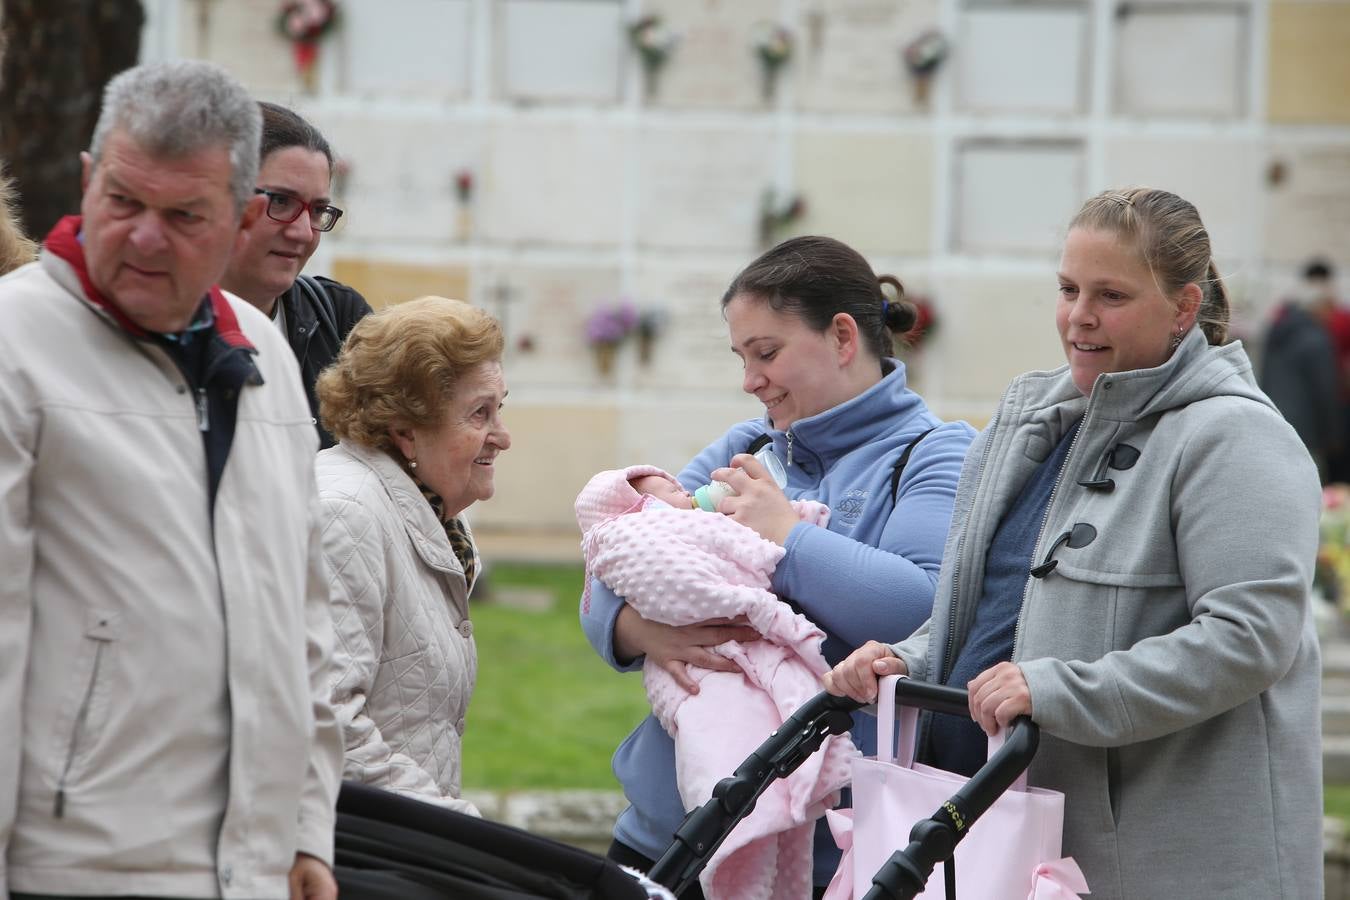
392	847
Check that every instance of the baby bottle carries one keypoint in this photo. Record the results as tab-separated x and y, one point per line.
711	494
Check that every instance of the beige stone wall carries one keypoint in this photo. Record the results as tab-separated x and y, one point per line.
1309	65
588	188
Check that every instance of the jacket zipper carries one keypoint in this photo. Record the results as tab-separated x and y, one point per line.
789	447
203	411
956	566
76	733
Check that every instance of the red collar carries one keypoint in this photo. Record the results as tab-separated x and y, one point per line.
64	241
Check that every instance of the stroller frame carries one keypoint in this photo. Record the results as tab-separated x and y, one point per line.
932	840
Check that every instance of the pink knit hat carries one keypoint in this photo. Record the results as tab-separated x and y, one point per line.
610	494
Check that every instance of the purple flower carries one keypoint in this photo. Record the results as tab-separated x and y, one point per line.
612	323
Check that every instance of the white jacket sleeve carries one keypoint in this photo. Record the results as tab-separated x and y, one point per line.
18	424
354	547
319	798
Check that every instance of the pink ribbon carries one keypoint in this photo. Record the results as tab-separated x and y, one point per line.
1058	880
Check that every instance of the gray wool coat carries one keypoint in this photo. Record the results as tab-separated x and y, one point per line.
1172	661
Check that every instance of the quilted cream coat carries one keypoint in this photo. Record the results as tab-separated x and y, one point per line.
404	661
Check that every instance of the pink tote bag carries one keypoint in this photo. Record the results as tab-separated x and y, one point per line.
1002	854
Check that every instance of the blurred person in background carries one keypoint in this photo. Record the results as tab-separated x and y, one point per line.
1300	372
295	175
1319	286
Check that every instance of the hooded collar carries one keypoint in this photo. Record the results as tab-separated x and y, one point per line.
859	420
1196	370
64	242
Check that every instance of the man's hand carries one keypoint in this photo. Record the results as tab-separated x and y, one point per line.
311	879
674	647
857	676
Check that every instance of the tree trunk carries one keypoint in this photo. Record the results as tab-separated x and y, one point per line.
58	55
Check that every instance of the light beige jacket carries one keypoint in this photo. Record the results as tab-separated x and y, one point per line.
404	661
163	672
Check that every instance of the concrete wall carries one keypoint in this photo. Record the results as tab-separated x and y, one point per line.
588	187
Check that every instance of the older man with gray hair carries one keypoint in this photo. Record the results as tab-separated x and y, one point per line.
164	622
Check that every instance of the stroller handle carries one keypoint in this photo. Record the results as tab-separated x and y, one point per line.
825	714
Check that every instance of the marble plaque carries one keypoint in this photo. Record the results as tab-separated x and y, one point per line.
993	328
670	433
385	53
871	191
400	183
543	311
1223	177
700	188
1015	197
714	65
242	37
1309	66
851	55
384	283
1022	58
1181	60
560	49
1308	211
553	183
555	449
693	352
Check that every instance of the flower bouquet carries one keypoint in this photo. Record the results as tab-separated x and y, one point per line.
304	23
773	46
654	43
776	214
923	56
925	323
650	324
1332	573
464	194
607	328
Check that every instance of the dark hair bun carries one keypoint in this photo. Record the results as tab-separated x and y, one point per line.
900	316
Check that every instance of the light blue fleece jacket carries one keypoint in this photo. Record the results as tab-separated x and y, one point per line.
869	575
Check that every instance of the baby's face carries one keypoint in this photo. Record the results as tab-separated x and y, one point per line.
663	489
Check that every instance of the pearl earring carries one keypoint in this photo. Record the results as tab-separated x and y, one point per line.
412	463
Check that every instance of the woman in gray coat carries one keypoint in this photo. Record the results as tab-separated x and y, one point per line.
1129	564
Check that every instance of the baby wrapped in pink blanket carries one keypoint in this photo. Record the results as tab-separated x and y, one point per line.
679	566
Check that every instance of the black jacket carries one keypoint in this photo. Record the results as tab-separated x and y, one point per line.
319	313
1299	374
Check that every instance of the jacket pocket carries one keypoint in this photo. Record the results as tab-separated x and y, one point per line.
101	629
1113	783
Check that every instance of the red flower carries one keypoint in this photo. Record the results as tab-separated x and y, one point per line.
464	185
925	322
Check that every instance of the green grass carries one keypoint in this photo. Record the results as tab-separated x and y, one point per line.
547	712
1336	801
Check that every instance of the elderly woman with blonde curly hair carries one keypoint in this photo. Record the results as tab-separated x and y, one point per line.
415	401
